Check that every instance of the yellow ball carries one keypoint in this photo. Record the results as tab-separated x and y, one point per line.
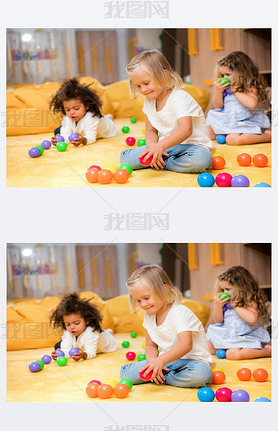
143	344
111	382
143	130
111	167
217	154
217	369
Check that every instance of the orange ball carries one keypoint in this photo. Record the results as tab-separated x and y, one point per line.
121	390
104	176
91	390
121	176
244	159
260	375
105	391
218	162
218	377
91	175
244	374
260	160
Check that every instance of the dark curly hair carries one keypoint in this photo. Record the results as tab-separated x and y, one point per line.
71	304
72	89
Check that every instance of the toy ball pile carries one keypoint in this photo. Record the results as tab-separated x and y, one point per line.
105	175
121	389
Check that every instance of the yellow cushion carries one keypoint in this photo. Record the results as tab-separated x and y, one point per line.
202	311
12	102
13	316
124	106
107	321
125	321
201	95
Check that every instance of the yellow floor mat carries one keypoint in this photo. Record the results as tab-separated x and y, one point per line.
68	384
67	169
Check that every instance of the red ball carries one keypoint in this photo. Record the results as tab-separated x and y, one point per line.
121	390
130	356
260	375
218	162
148	376
223	395
121	176
260	160
104	176
91	175
244	159
92	389
130	141
244	374
105	391
223	179
147	162
218	377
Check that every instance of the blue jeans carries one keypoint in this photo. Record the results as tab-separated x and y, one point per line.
183	373
182	158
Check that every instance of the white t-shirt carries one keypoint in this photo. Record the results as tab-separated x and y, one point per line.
90	127
90	341
179	319
179	104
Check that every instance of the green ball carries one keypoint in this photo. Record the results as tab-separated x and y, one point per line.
141	142
127	382
224	81
224	295
141	357
125	344
41	363
40	148
62	361
125	129
133	120
61	146
133	334
127	167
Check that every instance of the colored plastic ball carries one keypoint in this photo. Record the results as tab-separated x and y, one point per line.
224	295
147	377
223	180
206	180
121	390
239	395
60	352
46	359
40	148
91	390
125	129
221	354
73	136
95	381
130	356
91	175
130	141
260	160
206	395
145	162
244	374
218	162
262	185
260	375
121	176
127	167
240	181
104	176
218	377
133	334
216	153
60	138
143	345
128	382
62	361
34	152
221	139
61	146
133	120
105	391
262	400
143	130
125	344
244	159
41	363
224	81
111	382
111	167
217	369
223	395
73	350
94	167
141	142
34	367
141	357
46	144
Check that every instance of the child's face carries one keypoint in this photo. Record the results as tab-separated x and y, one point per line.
142	80
74	109
226	72
142	295
75	324
225	286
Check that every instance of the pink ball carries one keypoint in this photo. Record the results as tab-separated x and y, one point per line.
223	179
94	167
130	356
130	141
148	376
95	381
147	162
223	395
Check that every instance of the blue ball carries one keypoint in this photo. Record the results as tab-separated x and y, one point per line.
206	180
34	367
46	359
240	181
262	400
221	354
206	395
239	395
73	350
221	139
46	144
73	136
34	152
262	185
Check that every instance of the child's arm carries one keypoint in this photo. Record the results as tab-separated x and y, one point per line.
249	314
218	100
250	99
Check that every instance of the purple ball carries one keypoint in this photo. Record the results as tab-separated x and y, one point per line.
73	350
73	136
239	395
46	144
34	367
240	181
60	138
46	359
34	152
227	306
60	352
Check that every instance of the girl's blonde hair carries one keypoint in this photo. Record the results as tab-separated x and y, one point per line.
245	74
157	281
155	64
245	288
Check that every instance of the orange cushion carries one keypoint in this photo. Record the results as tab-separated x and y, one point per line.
124	106
125	321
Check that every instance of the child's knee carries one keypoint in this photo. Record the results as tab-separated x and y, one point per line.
233	354
233	139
